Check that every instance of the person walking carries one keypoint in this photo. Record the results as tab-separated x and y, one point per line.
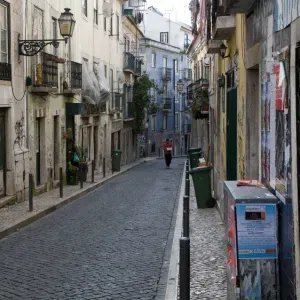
168	147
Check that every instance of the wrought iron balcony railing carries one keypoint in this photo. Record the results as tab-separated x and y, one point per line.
45	71
167	103
166	74
129	62
5	71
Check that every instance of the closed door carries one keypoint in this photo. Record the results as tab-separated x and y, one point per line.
96	146
38	151
56	144
231	141
2	156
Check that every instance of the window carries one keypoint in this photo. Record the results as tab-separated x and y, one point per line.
4	21
176	94
118	27
38	24
186	41
125	41
164	37
86	141
54	34
153	122
105	71
165	122
165	91
176	65
176	120
206	72
111	84
96	12
153	60
104	23
165	62
84	7
111	26
128	45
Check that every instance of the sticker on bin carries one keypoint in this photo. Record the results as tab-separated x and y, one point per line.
169	149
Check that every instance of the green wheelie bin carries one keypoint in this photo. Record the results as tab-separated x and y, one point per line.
116	160
194	159
202	185
193	150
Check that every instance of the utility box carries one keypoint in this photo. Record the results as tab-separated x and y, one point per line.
252	249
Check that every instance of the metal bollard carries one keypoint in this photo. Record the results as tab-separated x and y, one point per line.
184	269
61	183
93	171
30	192
81	176
187	187
103	165
186	216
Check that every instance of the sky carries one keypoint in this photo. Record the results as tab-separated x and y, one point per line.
178	10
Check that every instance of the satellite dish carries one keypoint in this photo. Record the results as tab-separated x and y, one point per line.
107	9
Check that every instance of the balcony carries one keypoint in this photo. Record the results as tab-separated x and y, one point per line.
44	74
213	47
128	113
129	63
166	104
73	73
166	74
5	71
223	28
237	6
187	74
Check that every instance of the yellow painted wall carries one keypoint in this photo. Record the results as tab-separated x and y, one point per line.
236	46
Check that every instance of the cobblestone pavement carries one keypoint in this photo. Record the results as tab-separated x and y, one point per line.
110	244
208	262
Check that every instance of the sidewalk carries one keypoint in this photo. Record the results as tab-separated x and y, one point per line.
208	261
17	216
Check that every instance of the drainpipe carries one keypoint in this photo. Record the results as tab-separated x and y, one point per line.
174	95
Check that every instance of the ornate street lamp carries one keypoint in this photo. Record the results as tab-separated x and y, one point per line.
180	86
66	23
222	50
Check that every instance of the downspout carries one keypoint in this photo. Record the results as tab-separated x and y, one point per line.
174	95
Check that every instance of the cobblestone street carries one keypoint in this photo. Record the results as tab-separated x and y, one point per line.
208	261
112	243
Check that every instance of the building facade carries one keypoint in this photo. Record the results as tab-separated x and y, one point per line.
166	63
253	47
14	154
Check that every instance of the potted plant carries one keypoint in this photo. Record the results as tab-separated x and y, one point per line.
72	175
153	108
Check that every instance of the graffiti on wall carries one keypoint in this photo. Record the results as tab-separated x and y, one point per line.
285	12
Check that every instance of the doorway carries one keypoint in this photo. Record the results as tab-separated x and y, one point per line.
56	145
2	156
96	146
38	151
231	138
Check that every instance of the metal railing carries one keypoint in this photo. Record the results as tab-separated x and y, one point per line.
45	70
129	62
5	71
167	103
166	74
74	74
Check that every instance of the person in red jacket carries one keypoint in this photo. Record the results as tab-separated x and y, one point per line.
168	147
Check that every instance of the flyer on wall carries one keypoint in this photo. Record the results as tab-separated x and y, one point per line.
256	231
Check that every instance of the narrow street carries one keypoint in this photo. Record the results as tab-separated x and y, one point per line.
113	243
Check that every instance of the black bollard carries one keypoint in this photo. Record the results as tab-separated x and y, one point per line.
186	216
184	269
93	171
61	183
103	165
81	175
187	187
30	192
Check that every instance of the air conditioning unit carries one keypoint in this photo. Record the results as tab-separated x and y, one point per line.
107	9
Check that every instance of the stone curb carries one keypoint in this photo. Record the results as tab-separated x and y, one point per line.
6	232
172	283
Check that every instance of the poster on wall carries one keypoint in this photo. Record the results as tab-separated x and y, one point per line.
283	126
256	231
